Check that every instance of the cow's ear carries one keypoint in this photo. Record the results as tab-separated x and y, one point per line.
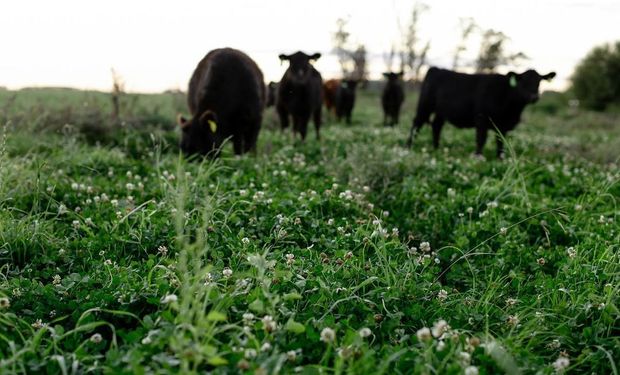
316	56
283	57
182	121
386	75
208	118
548	77
512	79
400	74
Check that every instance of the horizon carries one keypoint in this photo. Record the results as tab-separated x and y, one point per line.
74	44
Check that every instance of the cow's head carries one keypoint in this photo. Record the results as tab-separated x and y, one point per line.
299	65
349	84
199	135
393	77
526	84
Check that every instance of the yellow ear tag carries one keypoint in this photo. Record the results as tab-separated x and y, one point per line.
213	126
513	81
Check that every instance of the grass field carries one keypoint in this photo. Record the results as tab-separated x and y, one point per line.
349	255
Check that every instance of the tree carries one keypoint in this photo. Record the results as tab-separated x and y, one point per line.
341	41
352	60
467	27
493	54
596	80
413	53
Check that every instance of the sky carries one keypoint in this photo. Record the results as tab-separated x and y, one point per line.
155	45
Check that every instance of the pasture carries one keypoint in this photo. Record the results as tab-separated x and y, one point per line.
349	255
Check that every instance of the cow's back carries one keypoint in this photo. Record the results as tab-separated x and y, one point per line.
226	81
459	97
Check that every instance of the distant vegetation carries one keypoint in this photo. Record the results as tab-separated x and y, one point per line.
596	81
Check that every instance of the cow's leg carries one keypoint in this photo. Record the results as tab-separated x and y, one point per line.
437	124
499	142
283	114
237	141
317	122
481	138
418	122
396	117
250	138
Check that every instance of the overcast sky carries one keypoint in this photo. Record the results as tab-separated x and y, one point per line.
155	45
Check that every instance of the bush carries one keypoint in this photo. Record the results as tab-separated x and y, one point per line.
596	80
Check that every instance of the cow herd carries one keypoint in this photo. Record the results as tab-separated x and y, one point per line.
227	96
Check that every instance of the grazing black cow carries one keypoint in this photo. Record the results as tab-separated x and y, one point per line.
226	98
272	87
345	99
483	101
392	98
299	93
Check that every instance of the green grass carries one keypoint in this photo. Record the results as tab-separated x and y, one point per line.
118	256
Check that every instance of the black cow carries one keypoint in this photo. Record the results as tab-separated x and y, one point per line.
226	98
345	99
392	98
299	93
483	101
272	88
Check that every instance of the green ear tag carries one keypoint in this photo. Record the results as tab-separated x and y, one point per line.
513	81
213	126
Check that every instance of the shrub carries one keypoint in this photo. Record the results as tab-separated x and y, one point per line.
596	80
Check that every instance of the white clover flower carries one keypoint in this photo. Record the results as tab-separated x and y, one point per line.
107	262
169	298
386	213
512	320
290	259
291	355
250	353
492	204
62	209
561	364
465	357
243	192
38	324
88	221
75	186
571	252
328	335
366	189
266	347
425	246
96	338
471	370
376	222
56	280
75	224
163	250
248	318
424	334
442	295
268	323
114	202
129	186
364	332
503	231
470	210
441	345
5	303
245	241
511	301
484	213
147	340
439	328
227	272
451	193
